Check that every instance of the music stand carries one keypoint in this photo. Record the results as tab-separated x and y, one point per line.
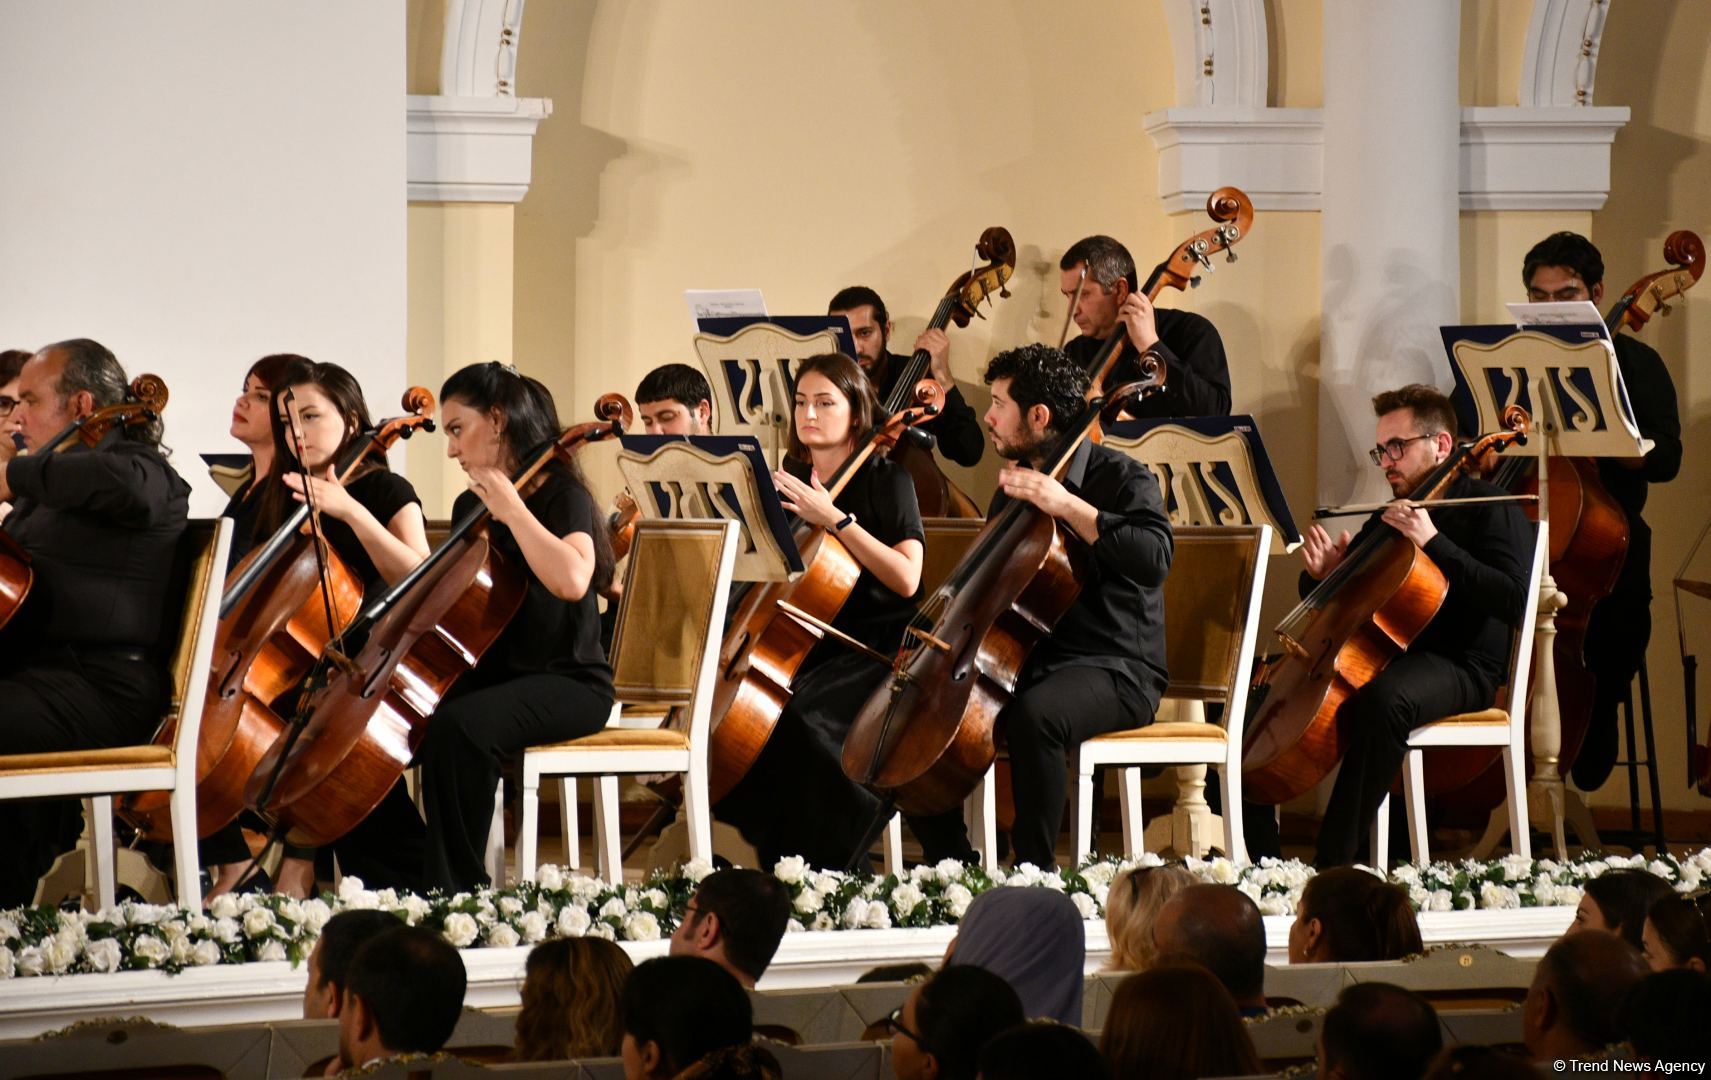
1567	378
751	361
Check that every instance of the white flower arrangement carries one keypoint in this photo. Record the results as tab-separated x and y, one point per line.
239	929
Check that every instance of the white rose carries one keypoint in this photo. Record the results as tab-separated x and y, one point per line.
1276	905
855	913
957	899
949	870
103	955
349	886
461	929
1221	872
532	926
584	888
1084	904
1440	900
641	926
271	951
8	928
360	900
204	953
793	926
510	905
30	961
549	877
878	916
573	921
1596	868
922	874
905	899
8	963
316	912
696	869
225	906
144	914
258	921
502	936
1493	895
790	869
823	921
614	908
807	902
1099	873
415	909
657	898
603	930
150	949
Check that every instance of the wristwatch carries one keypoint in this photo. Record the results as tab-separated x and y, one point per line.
846	520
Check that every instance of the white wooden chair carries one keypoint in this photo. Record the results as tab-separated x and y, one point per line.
1504	727
665	652
1211	616
98	775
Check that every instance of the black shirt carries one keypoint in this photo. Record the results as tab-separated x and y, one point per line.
1197	377
1117	623
547	635
1485	552
244	510
102	527
956	428
1652	394
882	497
381	492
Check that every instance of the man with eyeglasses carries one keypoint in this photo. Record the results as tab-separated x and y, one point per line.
1099	281
11	363
1456	663
1565	266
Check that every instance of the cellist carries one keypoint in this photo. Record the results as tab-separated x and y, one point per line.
1565	266
1456	663
1103	667
11	363
796	799
82	664
375	524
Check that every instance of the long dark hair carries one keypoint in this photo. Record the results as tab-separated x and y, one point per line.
847	378
1176	1020
529	420
1623	898
1361	917
345	393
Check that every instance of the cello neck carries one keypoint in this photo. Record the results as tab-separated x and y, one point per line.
916	369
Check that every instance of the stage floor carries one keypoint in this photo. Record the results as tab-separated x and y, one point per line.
259	992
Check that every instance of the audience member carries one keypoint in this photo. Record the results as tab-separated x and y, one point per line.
679	1013
330	960
735	919
1676	936
888	973
403	994
1376	1031
1346	915
1617	901
1577	991
571	991
940	1031
1033	939
1219	928
1176	1022
1042	1050
1130	908
1665	1015
1471	1062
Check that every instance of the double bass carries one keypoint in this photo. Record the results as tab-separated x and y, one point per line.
935	493
776	625
277	614
926	737
144	402
1589	544
360	731
1348	628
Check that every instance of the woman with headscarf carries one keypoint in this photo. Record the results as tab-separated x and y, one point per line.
1036	940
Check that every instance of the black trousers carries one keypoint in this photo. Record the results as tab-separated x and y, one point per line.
1043	724
1616	640
66	698
1416	688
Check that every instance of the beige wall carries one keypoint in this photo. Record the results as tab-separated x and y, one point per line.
799	148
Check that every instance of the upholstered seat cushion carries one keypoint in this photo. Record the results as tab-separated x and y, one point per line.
623	739
1168	730
1483	716
118	757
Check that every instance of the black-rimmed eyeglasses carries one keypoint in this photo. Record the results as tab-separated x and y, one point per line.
7	404
1392	450
894	1021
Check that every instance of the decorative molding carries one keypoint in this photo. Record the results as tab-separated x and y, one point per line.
1219	48
479	56
471	149
1561	57
1511	158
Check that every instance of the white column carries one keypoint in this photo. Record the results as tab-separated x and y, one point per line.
1390	243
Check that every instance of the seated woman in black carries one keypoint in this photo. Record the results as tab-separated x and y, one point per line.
252	425
546	679
374	523
797	800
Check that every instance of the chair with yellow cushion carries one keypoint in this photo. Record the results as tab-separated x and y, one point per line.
98	775
1211	616
665	652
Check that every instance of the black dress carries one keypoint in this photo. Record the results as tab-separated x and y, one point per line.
796	799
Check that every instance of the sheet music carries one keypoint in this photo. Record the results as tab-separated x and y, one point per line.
723	303
1557	313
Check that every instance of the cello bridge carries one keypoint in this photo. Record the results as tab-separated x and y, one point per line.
1292	647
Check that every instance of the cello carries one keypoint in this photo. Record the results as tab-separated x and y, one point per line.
1589	544
145	401
934	491
276	614
1348	628
926	737
356	735
777	624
